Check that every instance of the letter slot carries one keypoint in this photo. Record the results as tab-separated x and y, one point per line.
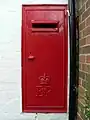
45	26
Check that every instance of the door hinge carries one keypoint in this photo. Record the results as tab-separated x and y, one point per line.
67	12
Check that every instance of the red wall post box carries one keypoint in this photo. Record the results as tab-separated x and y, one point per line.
44	58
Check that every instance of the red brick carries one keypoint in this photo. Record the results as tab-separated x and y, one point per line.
79	117
86	14
82	42
81	34
80	4
81	94
87	68
85	50
86	31
88	4
82	26
80	18
82	58
82	9
80	66
81	50
88	21
83	2
80	82
84	83
82	75
83	67
88	40
88	59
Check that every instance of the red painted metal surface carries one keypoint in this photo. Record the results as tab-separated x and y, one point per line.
44	58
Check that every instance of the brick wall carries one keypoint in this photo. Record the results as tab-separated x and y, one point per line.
84	57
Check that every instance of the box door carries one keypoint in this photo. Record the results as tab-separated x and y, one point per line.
44	58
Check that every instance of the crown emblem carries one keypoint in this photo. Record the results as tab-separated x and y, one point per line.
45	79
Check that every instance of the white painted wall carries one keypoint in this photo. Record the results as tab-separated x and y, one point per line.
10	61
